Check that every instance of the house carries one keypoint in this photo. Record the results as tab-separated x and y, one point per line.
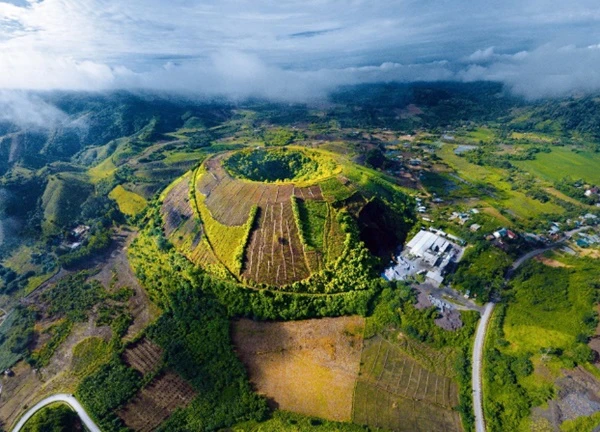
475	227
501	233
511	235
80	230
592	192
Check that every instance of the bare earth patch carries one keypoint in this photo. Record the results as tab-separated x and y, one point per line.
156	402
144	355
550	262
309	367
578	392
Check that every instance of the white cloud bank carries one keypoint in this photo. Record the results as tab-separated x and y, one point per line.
297	50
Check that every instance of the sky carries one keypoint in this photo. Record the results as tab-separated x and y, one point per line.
297	49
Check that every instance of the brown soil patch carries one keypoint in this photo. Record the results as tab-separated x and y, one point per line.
550	262
578	395
116	273
590	253
309	367
144	355
157	401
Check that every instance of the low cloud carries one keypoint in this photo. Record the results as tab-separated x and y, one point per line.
549	71
295	50
28	110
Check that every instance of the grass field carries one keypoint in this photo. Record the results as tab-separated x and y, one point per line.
494	188
313	215
103	170
481	134
89	355
399	392
129	203
563	162
224	240
309	367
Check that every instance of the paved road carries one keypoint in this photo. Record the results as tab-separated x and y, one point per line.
477	365
68	399
482	329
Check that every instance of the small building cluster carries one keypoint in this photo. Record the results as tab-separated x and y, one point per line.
76	237
429	253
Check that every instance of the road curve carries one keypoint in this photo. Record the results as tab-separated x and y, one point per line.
477	367
66	398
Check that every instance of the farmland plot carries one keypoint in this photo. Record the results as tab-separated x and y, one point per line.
182	226
309	366
396	392
156	402
178	214
275	254
144	355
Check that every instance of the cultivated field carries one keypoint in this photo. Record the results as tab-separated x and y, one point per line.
309	367
230	200
144	355
395	391
156	402
275	254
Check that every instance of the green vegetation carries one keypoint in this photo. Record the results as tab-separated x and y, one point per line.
231	240
272	165
481	271
283	421
16	332
161	272
89	355
544	326
312	217
129	203
73	296
98	242
107	389
240	250
59	332
582	424
195	336
413	333
565	162
54	418
334	190
62	200
281	136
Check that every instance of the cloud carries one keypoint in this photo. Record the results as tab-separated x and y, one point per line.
548	71
295	48
27	110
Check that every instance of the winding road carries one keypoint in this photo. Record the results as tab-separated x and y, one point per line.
483	326
66	398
